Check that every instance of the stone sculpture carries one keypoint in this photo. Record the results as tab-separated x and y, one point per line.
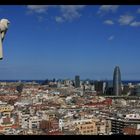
3	29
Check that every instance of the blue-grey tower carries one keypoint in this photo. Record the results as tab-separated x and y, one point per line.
117	81
77	81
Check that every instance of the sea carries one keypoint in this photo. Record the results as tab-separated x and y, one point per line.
125	82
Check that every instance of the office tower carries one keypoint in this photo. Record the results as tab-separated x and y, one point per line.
135	91
104	87
77	81
99	86
117	81
109	88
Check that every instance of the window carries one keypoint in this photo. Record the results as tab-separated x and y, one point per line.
84	127
34	126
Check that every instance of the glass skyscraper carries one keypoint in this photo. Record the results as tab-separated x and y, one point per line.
77	81
117	81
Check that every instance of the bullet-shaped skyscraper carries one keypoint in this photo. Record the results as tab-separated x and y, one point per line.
117	81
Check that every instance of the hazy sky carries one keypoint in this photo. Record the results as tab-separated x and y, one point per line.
64	41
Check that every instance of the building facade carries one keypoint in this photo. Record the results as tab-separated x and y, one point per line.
93	127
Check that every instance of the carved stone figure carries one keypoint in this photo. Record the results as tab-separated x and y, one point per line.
3	29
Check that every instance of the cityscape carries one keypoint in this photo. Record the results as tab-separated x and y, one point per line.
69	70
70	107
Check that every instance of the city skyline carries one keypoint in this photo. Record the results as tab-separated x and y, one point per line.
64	41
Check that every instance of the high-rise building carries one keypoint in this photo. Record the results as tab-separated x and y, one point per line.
109	88
117	81
99	86
77	81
